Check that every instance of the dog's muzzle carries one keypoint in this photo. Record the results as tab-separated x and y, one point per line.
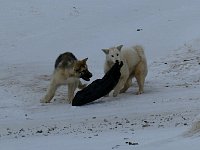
86	75
117	61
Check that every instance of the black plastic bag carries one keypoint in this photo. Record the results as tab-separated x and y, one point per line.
99	87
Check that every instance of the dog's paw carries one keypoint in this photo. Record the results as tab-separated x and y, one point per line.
139	92
43	100
69	100
115	94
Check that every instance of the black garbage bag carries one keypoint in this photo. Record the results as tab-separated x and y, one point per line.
99	87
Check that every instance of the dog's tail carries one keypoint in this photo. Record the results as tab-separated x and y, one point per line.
140	51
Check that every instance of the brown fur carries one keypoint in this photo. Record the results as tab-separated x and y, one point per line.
68	70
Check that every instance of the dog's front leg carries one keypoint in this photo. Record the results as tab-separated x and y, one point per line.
72	85
81	86
71	90
118	87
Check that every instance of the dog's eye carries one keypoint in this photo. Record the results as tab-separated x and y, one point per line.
83	72
117	54
77	70
112	55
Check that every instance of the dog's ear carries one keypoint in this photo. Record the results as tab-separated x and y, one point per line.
119	47
84	60
106	51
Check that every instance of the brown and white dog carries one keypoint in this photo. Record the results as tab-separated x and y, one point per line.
68	70
135	65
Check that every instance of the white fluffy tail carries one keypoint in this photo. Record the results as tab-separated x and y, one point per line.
140	51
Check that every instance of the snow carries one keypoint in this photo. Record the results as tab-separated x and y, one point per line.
33	33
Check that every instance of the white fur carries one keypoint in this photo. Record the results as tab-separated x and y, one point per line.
135	65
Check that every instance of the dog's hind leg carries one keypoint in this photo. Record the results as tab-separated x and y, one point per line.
50	92
140	81
140	74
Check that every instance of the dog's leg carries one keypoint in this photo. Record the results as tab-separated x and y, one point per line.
50	92
72	85
140	74
70	92
127	85
81	86
140	81
119	86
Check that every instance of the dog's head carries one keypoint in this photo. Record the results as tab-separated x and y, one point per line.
81	69
113	54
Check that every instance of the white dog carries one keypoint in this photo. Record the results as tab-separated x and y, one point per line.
135	65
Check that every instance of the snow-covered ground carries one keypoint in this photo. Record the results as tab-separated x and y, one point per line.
33	33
